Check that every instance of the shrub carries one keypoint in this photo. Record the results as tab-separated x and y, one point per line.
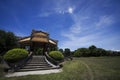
15	55
57	55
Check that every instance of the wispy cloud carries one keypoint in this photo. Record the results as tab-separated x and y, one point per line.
60	7
81	35
45	14
69	10
76	29
61	11
104	21
98	38
89	24
75	42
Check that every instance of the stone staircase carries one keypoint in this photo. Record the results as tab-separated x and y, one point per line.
36	63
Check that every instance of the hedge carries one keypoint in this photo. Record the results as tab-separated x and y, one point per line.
57	55
15	55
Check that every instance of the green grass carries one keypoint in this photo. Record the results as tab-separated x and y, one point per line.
104	68
89	68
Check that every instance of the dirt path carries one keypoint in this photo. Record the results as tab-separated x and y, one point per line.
89	70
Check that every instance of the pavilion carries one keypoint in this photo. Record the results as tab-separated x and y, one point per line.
38	39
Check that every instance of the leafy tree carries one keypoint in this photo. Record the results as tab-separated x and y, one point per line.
2	41
93	50
67	52
92	47
7	41
82	52
77	53
85	52
11	40
61	50
101	52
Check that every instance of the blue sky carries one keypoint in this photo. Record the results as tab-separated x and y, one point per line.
75	23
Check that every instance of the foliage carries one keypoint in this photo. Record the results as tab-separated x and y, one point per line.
61	50
7	41
39	51
57	55
55	48
94	51
92	47
77	53
81	52
15	55
67	52
101	52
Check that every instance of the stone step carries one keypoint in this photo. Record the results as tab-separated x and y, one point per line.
37	63
35	69
38	60
30	67
33	64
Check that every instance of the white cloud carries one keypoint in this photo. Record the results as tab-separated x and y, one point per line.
56	11
63	10
70	10
45	14
60	7
104	21
98	39
73	35
82	35
75	42
75	29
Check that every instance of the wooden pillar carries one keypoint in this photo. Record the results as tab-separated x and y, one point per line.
45	48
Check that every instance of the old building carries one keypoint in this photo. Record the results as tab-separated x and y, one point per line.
38	39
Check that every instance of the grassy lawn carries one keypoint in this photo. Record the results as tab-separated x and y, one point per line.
89	68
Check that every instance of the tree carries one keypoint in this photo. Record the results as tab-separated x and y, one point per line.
78	53
11	40
61	50
2	41
101	52
7	41
85	52
67	52
93	50
81	52
92	47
